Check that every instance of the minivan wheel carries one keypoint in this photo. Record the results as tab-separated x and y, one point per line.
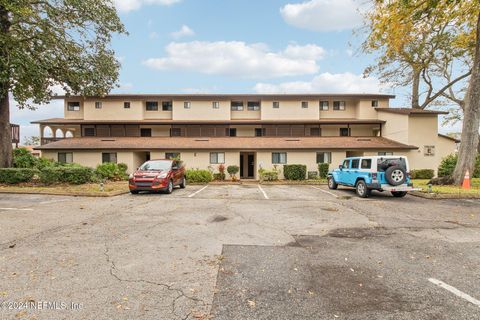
362	189
184	183
332	184
170	187
399	194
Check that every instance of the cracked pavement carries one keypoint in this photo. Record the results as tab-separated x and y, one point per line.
156	256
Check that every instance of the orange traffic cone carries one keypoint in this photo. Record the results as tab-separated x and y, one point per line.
466	181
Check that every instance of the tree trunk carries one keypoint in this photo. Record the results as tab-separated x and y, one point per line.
5	133
471	120
415	89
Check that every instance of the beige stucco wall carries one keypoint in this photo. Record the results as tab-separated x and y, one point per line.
245	131
396	126
201	110
158	130
113	110
349	112
72	114
290	110
364	109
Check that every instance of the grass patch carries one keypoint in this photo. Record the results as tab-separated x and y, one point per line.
110	188
423	183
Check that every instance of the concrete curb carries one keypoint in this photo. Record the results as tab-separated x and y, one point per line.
440	196
76	194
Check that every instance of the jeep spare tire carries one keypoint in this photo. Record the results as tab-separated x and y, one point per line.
395	175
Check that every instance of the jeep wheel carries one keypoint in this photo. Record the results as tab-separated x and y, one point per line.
399	194
332	184
184	183
395	175
362	189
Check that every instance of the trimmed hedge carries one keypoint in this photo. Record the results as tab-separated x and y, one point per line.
72	175
268	175
312	175
447	166
17	175
422	174
295	171
323	170
198	176
112	171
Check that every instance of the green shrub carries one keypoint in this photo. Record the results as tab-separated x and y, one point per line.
323	170
312	175
72	175
17	175
219	176
23	158
198	176
112	171
233	170
447	165
422	174
295	171
268	175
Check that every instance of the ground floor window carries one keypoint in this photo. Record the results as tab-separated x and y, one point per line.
65	157
172	155
217	157
279	157
324	157
109	157
384	153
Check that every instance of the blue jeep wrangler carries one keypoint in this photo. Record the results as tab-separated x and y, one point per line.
382	173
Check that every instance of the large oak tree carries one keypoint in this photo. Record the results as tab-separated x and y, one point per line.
47	43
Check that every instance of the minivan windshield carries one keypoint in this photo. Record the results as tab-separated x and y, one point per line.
156	165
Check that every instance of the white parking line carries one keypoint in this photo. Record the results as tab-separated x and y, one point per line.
263	191
18	209
53	201
325	191
455	291
193	194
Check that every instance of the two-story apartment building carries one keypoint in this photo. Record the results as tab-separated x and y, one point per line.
249	130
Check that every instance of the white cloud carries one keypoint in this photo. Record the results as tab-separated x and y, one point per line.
325	83
236	58
131	5
184	31
323	15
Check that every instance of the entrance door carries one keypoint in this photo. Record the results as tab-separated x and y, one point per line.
251	165
247	165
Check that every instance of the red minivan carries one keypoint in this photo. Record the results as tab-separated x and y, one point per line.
158	175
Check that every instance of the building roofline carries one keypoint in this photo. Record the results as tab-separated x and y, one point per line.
448	137
411	111
229	96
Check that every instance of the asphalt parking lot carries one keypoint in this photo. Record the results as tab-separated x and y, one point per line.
239	252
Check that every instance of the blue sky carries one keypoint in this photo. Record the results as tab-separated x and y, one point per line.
233	46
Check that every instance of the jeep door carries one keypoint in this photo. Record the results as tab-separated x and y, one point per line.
353	171
344	173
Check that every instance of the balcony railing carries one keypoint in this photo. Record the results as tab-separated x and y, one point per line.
15	133
49	140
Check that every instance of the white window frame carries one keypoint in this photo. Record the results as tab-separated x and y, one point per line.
237	107
323	105
279	160
304	104
110	157
126	105
326	155
374	103
98	104
187	105
276	104
72	106
215	104
67	156
340	107
217	157
385	153
254	107
155	107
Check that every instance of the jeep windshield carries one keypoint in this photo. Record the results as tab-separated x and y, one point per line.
156	165
384	163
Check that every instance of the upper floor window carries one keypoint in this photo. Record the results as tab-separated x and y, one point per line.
344	132
279	157
304	104
236	105
126	105
259	132
151	105
315	132
176	132
109	157
338	105
217	157
65	157
216	105
232	132
324	105
73	106
98	105
89	132
276	104
383	153
375	103
253	105
187	104
145	132
324	157
429	150
167	105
